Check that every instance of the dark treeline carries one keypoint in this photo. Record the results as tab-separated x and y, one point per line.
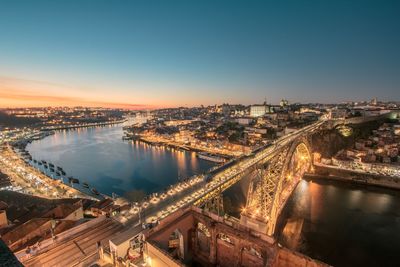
12	121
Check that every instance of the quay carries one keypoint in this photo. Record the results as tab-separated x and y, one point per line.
188	148
327	172
29	180
66	127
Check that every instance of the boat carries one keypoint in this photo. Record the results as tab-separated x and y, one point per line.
209	157
59	168
51	165
95	191
73	180
44	162
51	169
57	173
84	184
63	172
34	161
45	166
40	163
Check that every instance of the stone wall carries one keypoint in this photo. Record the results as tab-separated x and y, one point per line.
289	258
322	172
229	244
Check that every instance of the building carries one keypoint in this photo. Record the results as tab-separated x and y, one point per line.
284	103
338	113
3	214
259	110
244	120
194	237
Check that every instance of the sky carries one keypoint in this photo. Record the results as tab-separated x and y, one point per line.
150	54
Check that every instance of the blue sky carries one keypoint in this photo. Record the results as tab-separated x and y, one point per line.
167	53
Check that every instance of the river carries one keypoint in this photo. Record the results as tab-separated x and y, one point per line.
343	224
100	157
339	223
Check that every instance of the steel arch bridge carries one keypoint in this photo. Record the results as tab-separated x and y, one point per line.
274	173
272	183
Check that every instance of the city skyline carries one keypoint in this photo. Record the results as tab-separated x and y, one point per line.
153	55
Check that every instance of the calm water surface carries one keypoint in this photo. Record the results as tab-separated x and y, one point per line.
343	224
101	158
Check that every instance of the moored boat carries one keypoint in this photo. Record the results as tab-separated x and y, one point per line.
95	191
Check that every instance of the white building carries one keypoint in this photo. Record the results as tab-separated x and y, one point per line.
259	110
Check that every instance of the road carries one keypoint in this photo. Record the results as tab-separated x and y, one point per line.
191	192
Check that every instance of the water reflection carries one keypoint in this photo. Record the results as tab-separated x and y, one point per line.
343	224
100	157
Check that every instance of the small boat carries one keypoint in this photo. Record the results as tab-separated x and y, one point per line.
63	172
58	174
40	163
73	180
84	184
51	169
95	191
59	168
51	165
45	166
44	162
34	161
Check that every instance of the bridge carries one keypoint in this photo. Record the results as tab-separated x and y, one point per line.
275	171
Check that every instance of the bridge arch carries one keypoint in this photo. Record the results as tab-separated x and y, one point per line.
297	163
272	184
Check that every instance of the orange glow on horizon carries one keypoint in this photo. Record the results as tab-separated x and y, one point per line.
19	93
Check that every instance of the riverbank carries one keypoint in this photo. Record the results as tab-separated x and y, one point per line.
95	124
26	179
212	156
330	173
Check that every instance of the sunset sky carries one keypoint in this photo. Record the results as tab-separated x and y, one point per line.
148	54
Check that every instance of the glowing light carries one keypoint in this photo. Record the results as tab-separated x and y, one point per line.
149	260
